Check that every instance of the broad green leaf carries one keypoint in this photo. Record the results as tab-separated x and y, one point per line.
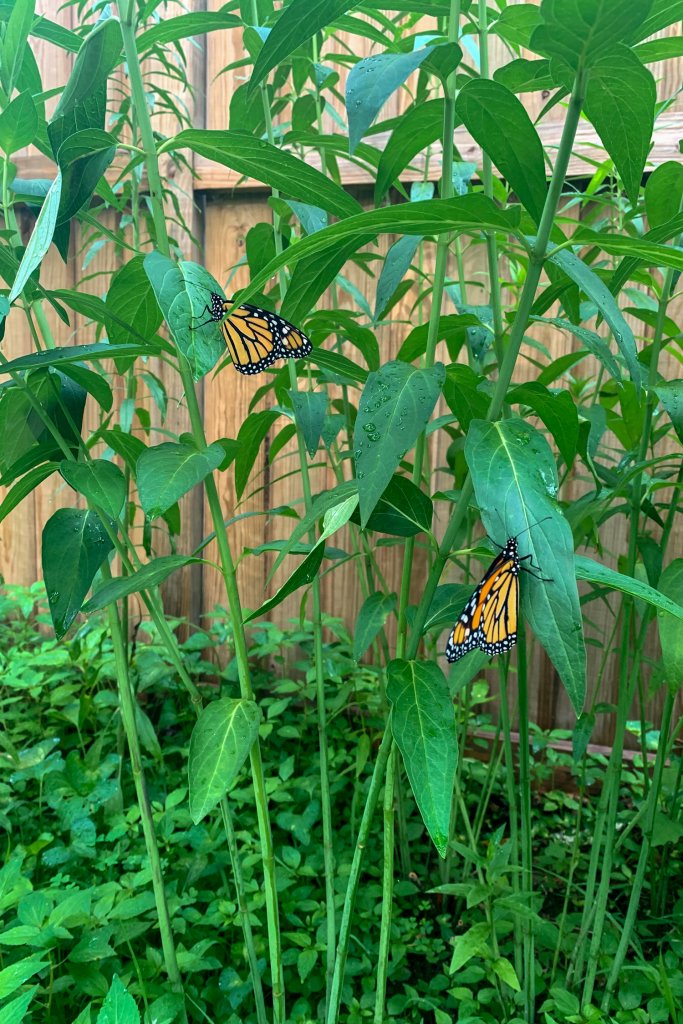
371	618
339	368
167	471
269	164
27	439
394	269
470	213
250	437
23	487
663	193
14	1012
371	82
18	124
297	22
576	33
594	572
670	630
74	354
311	277
118	1006
13	43
670	394
312	218
83	158
220	743
403	510
16	974
556	410
464	394
101	483
447	604
74	546
596	345
309	410
497	120
183	291
662	13
397	401
620	102
84	1016
41	237
516	23
506	972
598	291
151	575
301	577
132	302
524	75
515	482
417	128
423	725
184	26
668	48
95	384
474	942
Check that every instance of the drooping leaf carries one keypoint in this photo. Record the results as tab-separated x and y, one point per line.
184	26
418	127
500	124
394	269
663	193
596	345
24	486
151	575
41	237
396	404
220	743
74	546
167	471
465	394
132	302
250	437
18	124
374	612
670	394
101	483
74	354
304	574
423	725
515	482
309	410
670	629
556	410
83	158
403	510
13	46
594	572
323	505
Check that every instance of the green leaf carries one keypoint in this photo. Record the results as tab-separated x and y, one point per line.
16	974
94	383
83	158
590	340
339	367
101	483
497	120
670	631
663	193
577	32
183	291
333	505
151	575
474	942
74	354
670	394
470	213
15	1011
118	1006
169	470
16	494
463	395
598	291
185	26
556	410
301	577
423	725
309	410
371	82
26	438
397	401
250	437
297	22
595	572
403	510
83	102
371	618
13	43
74	546
417	128
132	301
269	164
506	972
394	269
620	102
18	124
311	277
448	602
305	962
220	743
524	75
41	237
515	482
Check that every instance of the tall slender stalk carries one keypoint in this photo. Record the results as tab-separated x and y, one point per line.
213	499
529	974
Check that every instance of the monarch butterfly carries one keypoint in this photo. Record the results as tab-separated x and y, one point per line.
489	619
256	337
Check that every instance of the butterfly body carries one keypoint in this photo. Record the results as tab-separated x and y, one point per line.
489	619
256	337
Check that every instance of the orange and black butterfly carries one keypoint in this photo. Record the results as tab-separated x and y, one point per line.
489	619
256	337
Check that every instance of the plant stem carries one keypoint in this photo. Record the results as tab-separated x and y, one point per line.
511	786
387	888
129	724
529	974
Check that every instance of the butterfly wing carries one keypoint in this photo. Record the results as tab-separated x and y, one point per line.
249	334
489	619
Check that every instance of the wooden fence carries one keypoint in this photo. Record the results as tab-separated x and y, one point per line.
221	209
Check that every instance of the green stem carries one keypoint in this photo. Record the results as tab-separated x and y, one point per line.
511	786
129	724
529	974
387	888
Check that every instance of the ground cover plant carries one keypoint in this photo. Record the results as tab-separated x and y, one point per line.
249	822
